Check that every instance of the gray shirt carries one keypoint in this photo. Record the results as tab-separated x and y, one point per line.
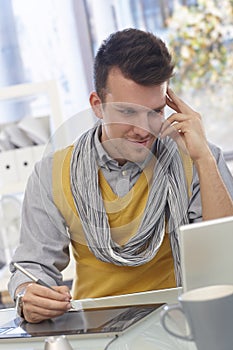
44	241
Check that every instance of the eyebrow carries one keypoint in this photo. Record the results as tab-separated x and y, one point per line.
133	105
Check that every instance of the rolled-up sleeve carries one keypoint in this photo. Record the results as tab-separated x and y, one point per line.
44	242
195	209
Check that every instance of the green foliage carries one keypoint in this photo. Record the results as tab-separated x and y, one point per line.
200	41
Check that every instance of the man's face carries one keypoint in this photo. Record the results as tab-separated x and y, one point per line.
132	117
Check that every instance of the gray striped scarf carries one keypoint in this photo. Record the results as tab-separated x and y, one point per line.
167	198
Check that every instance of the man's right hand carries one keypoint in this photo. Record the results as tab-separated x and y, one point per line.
41	303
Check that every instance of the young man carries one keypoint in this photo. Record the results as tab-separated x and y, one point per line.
122	190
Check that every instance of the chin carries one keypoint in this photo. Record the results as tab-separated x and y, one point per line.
137	157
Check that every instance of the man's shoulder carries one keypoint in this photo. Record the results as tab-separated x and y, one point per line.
48	158
62	156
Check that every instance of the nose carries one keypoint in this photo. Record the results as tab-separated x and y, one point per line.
141	124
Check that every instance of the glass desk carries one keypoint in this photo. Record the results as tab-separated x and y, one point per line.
146	335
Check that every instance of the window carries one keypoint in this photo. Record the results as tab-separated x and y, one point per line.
50	39
41	43
207	29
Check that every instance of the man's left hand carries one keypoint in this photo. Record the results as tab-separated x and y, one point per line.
186	128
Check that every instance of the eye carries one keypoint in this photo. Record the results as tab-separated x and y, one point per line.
156	112
127	111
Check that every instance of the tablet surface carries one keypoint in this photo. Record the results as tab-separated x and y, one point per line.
104	321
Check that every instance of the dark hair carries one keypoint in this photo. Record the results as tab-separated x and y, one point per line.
141	57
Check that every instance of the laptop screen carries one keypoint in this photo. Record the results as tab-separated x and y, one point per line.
206	250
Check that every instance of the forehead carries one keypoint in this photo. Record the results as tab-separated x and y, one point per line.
121	89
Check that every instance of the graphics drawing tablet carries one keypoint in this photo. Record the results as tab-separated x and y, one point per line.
95	322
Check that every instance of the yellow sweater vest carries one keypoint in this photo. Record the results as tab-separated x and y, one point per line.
95	278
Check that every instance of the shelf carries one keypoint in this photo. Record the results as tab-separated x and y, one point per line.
17	164
50	88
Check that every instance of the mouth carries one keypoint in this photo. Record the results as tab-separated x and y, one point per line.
141	143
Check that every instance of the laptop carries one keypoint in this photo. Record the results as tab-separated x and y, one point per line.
206	250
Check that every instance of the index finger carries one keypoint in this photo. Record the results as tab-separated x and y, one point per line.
48	293
177	103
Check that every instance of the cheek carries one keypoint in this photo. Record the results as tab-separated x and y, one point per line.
156	124
117	129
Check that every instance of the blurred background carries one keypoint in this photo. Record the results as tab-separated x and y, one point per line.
57	39
48	46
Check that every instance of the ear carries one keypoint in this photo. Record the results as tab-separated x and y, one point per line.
96	104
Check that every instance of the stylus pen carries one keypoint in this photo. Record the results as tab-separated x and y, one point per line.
31	276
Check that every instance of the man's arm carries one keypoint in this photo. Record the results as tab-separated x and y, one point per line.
215	199
185	126
195	209
43	250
